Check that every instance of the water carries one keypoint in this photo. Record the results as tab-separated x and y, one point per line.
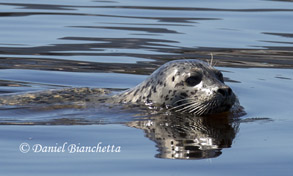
115	45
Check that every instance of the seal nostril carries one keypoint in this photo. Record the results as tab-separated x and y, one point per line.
222	92
227	91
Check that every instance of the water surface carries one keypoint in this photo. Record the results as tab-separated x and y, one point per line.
115	45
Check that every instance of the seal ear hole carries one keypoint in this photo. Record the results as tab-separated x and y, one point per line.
193	80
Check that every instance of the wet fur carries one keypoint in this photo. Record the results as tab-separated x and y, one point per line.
167	88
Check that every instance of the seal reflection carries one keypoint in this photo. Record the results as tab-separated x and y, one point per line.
183	136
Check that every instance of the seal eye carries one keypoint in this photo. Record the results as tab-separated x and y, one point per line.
193	80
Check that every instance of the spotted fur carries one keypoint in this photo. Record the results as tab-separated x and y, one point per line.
167	87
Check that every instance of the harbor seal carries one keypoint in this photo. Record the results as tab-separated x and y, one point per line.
191	86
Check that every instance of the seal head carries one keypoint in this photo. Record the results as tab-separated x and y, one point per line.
191	86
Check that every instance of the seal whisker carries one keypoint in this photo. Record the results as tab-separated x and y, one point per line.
212	58
203	110
200	111
194	109
197	108
186	108
183	100
175	107
178	110
184	104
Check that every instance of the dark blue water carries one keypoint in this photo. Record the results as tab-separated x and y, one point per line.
115	45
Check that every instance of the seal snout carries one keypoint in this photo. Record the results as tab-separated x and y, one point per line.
225	91
226	99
